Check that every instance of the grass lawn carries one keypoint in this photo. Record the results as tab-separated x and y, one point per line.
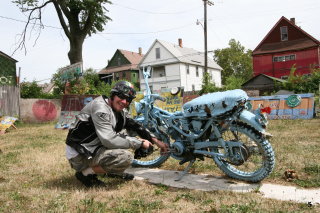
36	177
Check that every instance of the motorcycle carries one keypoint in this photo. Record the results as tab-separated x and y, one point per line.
216	126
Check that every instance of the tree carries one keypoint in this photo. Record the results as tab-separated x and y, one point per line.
78	18
207	85
235	61
233	82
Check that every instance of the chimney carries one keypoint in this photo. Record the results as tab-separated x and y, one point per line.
180	42
293	20
140	51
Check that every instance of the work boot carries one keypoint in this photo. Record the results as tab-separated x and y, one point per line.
90	180
124	176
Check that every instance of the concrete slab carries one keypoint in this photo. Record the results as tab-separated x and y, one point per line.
213	183
290	193
191	181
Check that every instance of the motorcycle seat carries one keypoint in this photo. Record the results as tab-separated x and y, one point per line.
216	103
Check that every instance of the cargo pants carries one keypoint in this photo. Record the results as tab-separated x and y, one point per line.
111	160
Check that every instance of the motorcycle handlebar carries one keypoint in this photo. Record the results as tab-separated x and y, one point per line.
158	97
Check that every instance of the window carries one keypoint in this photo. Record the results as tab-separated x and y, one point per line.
124	75
193	87
197	71
119	61
157	53
188	69
284	58
284	33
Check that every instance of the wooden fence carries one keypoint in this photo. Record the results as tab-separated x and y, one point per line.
9	101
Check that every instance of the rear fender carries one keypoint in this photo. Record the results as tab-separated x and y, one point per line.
254	120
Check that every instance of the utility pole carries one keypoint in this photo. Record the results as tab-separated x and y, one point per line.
206	2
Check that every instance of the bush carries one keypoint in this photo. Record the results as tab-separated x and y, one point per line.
33	90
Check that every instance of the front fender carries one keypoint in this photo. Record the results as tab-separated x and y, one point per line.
254	121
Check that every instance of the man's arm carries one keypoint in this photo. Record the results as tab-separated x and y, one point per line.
138	128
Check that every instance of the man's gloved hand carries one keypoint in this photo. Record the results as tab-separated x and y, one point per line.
142	152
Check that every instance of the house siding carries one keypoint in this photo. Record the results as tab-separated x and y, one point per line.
7	71
304	47
173	60
165	56
263	64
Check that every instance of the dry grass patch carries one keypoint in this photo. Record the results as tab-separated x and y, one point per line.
36	177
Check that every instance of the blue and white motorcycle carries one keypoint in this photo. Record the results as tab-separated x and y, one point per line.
216	126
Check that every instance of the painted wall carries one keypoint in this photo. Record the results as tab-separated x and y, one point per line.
281	110
7	70
71	105
39	110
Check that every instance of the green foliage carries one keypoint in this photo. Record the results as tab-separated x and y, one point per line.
302	84
207	85
30	90
33	90
235	61
88	84
233	82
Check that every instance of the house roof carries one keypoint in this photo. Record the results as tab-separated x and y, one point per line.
184	55
263	75
302	43
7	56
133	57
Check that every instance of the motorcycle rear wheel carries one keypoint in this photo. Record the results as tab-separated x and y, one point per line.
259	159
155	159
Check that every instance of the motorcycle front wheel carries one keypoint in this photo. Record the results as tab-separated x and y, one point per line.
253	161
155	159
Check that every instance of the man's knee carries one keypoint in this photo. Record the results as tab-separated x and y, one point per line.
117	159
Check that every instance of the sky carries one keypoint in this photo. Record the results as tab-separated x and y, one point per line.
137	23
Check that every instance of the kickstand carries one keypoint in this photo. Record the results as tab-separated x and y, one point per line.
185	171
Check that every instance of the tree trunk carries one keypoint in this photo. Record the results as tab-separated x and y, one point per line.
75	52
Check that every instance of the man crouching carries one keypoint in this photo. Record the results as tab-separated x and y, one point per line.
95	144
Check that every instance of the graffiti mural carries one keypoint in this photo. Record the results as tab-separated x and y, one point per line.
280	108
7	80
71	106
44	110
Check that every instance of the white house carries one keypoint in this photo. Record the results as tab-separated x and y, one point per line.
177	66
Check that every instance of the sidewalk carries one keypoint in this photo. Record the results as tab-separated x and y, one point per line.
213	183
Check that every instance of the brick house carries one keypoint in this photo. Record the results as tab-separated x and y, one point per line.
286	45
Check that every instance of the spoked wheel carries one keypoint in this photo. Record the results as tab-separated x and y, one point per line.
155	159
251	161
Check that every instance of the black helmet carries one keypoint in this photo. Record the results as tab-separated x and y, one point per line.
124	90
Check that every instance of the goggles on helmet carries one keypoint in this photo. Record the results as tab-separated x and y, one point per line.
124	90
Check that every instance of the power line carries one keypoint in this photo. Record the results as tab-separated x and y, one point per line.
117	33
151	12
17	20
151	32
